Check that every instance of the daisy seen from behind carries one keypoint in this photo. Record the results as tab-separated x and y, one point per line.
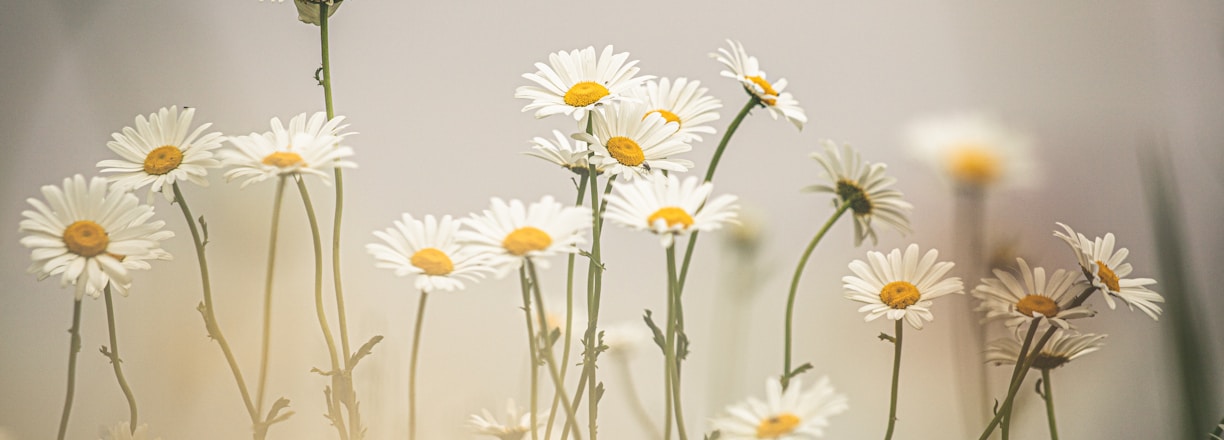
1063	347
745	69
304	147
865	186
900	286
514	426
790	414
427	248
574	83
561	150
973	150
509	232
1106	268
683	102
627	144
669	207
160	151
1005	297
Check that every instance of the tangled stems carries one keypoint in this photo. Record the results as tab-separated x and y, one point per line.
794	287
74	347
267	309
113	353
546	350
594	290
1048	394
535	355
892	405
412	366
569	317
331	114
674	313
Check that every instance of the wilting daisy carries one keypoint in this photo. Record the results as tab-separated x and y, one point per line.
1106	269
783	415
91	236
668	207
747	71
1004	297
511	232
160	151
865	186
900	286
627	144
305	147
1062	347
513	427
428	249
685	103
575	82
561	150
973	150
122	431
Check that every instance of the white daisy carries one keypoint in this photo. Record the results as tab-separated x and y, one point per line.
554	317
783	415
1062	347
900	286
575	82
1107	271
668	207
625	339
513	427
429	250
1050	298
973	150
511	232
685	103
91	236
122	431
160	151
866	186
747	71
569	154
305	147
627	144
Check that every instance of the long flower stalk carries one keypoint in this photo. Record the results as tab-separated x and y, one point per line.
112	352
896	379
672	357
534	353
594	291
569	317
74	347
265	341
412	366
546	350
794	288
1048	394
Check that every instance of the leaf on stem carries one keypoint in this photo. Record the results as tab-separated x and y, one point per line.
204	229
786	378
364	350
885	337
1037	388
274	414
658	334
593	259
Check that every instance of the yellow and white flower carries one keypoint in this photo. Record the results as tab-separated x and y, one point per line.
304	147
561	150
1062	347
511	232
513	427
1107	269
428	249
865	186
160	151
685	103
900	286
630	145
122	431
1004	297
573	83
669	207
973	150
791	414
745	69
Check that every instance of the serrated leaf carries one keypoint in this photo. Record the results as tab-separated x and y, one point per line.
659	340
885	337
323	373
274	414
599	392
682	346
593	259
365	350
204	229
786	378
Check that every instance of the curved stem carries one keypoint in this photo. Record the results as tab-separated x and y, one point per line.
896	378
1049	401
547	352
331	114
412	366
531	349
569	319
794	288
673	359
113	353
635	400
74	347
264	346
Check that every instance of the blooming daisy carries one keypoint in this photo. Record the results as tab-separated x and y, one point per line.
865	186
429	250
747	71
627	144
668	207
685	103
785	414
91	236
1107	271
1062	347
973	150
574	83
569	154
1050	298
305	147
122	431
900	286
511	232
162	150
513	427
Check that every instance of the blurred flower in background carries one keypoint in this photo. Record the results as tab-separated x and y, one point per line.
973	150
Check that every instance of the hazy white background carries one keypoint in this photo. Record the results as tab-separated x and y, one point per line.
429	86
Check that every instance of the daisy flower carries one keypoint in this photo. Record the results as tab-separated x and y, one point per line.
573	83
1107	269
1006	298
627	144
747	71
624	339
685	103
513	427
561	150
865	186
1062	347
783	415
305	147
668	207
122	431
429	250
900	286
511	232
160	151
973	150
91	236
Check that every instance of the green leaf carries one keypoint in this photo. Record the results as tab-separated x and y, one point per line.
658	334
365	350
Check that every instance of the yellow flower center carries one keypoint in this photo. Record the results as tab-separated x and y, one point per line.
162	160
86	238
777	426
852	192
672	215
1046	361
432	261
585	93
899	294
526	239
283	159
1037	303
766	87
1108	277
667	116
975	164
626	151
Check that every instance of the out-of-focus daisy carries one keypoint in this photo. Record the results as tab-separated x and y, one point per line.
428	249
1107	269
1062	347
513	427
90	235
624	339
865	186
973	150
122	431
511	232
900	286
573	83
668	207
685	103
792	414
561	150
745	69
305	147
1004	297
627	144
160	151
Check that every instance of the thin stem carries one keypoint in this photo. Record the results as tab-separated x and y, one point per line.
531	349
673	359
74	347
412	366
1049	401
594	290
635	400
569	318
113	353
896	379
331	114
267	306
970	341
794	287
582	380
559	384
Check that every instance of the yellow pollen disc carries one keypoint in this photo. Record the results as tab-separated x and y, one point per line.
585	93
852	192
777	426
1108	277
162	160
974	164
766	86
1037	303
432	262
899	294
672	215
626	151
282	159
667	116
86	238
526	239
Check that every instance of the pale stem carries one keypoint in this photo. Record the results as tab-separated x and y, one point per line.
113	353
970	341
673	360
569	318
794	287
1049	401
531	349
635	400
896	378
339	177
265	342
412	366
74	347
572	418
594	290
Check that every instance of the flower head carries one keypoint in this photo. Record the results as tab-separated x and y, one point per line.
1107	269
1004	297
160	151
122	431
573	83
973	150
511	232
865	186
685	103
630	145
1062	347
561	150
428	248
513	427
900	286
745	69
306	146
790	414
668	207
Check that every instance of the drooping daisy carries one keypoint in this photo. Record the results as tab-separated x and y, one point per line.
122	431
900	286
573	83
783	415
1107	269
91	235
627	144
513	427
865	186
1062	347
160	151
1003	297
973	150
511	232
668	207
685	103
305	147
569	154
745	69
429	250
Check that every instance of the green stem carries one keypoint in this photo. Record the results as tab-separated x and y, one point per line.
412	366
558	383
534	353
1049	401
896	379
578	393
794	288
569	318
331	114
74	347
594	290
267	306
673	359
113	353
